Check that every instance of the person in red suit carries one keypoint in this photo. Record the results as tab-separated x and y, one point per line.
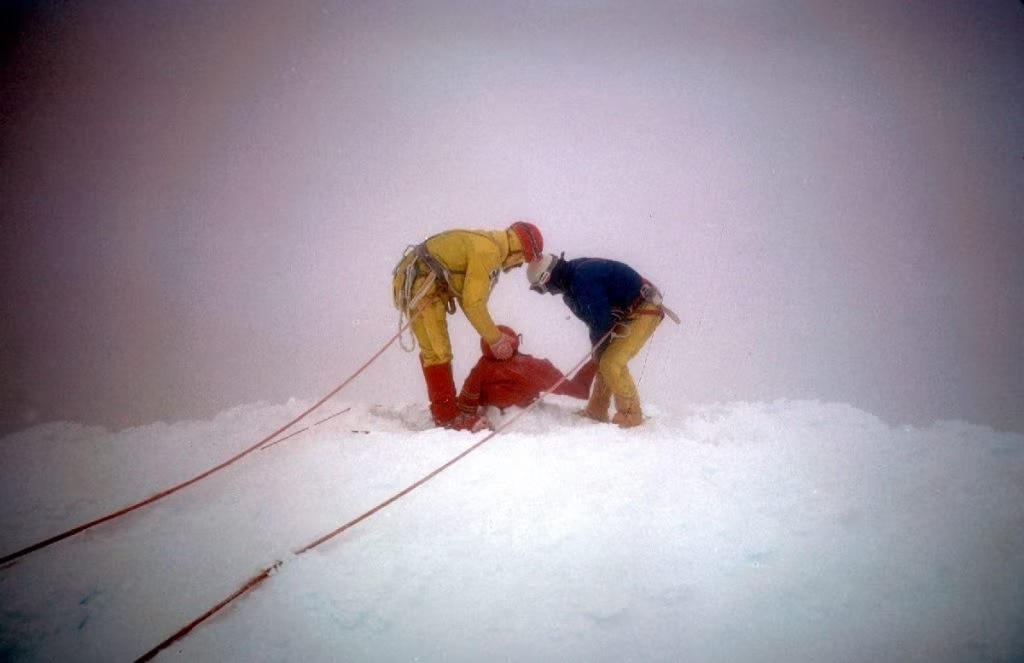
518	380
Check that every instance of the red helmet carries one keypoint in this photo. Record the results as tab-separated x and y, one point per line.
530	238
506	331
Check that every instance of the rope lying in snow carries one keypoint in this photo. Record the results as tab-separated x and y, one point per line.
263	574
303	430
8	559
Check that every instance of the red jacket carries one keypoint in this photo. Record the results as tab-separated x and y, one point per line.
519	381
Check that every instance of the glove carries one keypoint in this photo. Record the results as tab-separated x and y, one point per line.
474	423
502	348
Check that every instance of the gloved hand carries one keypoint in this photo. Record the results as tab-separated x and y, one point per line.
502	348
474	423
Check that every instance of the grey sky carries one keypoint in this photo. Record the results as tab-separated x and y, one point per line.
203	202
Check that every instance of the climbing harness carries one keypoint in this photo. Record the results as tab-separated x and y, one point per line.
415	260
650	294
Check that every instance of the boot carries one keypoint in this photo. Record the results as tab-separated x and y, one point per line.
441	392
628	412
600	400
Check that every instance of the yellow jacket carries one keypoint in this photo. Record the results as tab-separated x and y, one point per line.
475	259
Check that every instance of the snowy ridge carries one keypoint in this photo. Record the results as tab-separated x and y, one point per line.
795	531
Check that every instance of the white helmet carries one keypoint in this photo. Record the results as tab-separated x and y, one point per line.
538	272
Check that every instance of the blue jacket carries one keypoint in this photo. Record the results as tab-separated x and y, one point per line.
599	292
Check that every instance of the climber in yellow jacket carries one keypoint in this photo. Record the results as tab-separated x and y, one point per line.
457	266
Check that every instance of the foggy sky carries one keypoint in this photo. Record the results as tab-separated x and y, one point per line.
203	202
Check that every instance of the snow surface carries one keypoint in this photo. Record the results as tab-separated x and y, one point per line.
785	531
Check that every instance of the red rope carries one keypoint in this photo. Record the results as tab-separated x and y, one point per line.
265	573
249	584
304	429
7	559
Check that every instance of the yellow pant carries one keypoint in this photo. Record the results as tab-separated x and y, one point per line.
430	327
613	365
